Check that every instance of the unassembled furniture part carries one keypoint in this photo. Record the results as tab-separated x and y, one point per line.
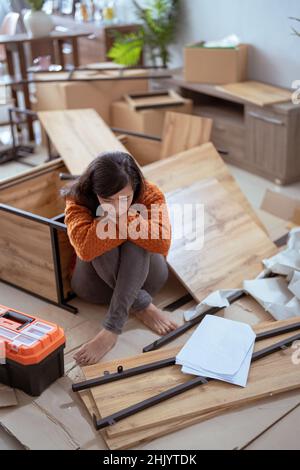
169	337
35	250
177	390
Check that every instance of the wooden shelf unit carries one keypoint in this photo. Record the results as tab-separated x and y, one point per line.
262	140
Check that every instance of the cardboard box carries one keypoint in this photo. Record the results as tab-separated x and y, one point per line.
148	121
80	95
215	65
282	206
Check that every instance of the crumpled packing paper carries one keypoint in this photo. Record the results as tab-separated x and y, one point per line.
229	41
280	295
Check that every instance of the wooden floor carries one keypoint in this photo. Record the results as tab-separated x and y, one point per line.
60	421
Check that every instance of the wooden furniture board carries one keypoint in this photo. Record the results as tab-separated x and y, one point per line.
153	99
269	376
38	194
260	94
26	255
228	251
29	204
184	131
145	150
180	132
144	435
79	136
193	165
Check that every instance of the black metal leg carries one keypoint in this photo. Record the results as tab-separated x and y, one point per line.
197	381
17	152
58	273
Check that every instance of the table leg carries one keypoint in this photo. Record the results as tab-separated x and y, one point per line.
11	72
61	56
23	70
75	52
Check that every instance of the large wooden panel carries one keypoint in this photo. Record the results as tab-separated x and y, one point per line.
79	136
233	245
182	132
26	255
144	150
193	165
269	376
38	194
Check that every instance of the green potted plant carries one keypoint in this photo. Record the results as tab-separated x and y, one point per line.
157	30
37	22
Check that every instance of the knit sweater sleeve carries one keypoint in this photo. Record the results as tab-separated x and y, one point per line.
152	231
82	232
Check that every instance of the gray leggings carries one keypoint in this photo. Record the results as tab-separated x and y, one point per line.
126	277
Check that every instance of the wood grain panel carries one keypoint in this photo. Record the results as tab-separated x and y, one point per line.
222	262
271	375
79	136
26	255
194	165
182	132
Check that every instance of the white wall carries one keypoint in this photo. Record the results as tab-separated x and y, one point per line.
265	24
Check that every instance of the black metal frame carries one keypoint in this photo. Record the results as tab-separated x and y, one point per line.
54	227
80	68
178	389
17	151
24	81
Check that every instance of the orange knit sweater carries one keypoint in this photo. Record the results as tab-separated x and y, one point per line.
81	227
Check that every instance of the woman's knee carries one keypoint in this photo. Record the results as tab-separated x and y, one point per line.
86	284
134	251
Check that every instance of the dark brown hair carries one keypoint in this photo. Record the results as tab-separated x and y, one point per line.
105	176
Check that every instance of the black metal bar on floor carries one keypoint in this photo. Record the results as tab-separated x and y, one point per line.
174	391
123	374
188	325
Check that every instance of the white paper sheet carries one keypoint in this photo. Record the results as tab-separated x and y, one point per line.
220	349
240	378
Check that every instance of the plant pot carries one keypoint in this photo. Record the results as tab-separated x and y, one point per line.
38	23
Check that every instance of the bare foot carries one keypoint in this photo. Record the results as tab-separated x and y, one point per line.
94	350
156	320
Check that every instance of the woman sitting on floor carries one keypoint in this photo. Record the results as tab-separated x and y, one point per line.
119	227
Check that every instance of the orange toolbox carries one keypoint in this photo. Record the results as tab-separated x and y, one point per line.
31	351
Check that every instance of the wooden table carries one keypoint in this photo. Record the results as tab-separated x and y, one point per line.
103	37
17	43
